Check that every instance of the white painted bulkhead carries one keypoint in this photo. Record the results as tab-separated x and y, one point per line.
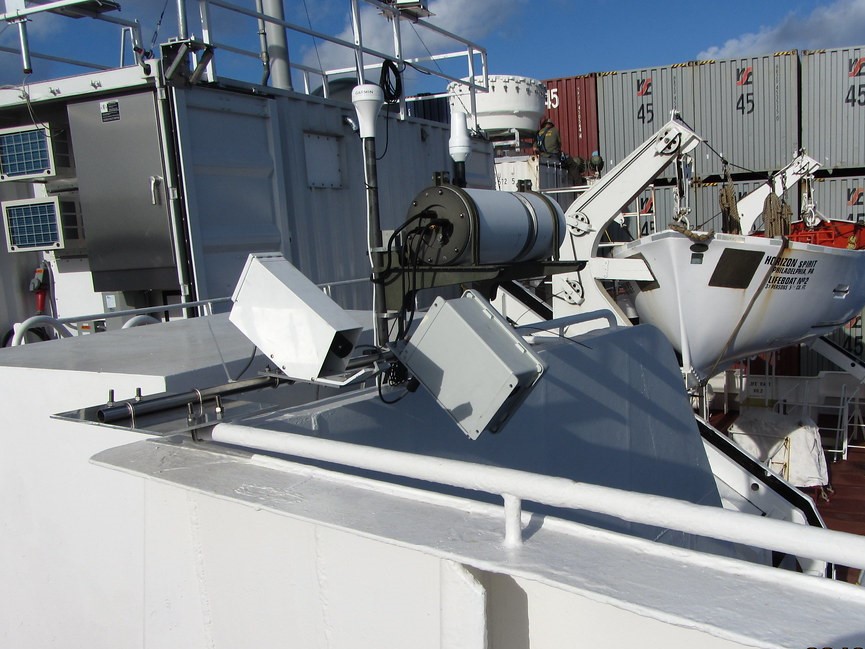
200	547
236	172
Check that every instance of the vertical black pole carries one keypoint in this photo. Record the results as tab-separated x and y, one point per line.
376	251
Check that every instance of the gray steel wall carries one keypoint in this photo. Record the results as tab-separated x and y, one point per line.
841	197
328	224
707	210
747	110
833	106
634	104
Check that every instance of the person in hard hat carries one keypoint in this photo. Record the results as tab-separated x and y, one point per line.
548	140
548	144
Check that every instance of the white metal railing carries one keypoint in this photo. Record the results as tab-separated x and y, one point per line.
139	316
474	55
471	54
327	287
21	15
515	486
844	410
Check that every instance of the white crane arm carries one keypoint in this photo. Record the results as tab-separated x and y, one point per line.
750	207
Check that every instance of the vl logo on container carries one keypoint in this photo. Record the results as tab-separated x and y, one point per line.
646	208
856	204
855	96
647	205
745	76
646	111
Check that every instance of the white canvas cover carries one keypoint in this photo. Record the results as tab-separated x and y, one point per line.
787	444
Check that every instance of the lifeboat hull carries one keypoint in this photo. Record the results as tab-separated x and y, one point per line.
731	296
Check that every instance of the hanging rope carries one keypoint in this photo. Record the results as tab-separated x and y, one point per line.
776	216
730	222
691	234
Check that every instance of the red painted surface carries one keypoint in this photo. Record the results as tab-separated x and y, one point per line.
835	234
572	104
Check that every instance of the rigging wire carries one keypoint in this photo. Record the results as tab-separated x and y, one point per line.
436	63
712	149
149	53
725	161
315	47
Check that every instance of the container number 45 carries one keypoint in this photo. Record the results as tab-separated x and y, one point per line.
855	95
646	113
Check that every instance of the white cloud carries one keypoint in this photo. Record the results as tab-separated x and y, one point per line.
837	24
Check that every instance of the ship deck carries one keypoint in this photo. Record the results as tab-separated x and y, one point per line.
842	506
845	508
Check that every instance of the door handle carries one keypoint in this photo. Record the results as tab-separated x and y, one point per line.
155	181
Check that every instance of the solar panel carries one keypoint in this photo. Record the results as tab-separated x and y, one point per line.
33	224
25	153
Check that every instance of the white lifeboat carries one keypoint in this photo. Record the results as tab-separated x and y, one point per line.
732	296
718	298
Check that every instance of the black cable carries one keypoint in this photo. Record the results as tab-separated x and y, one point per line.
402	330
39	332
409	289
414	281
390	81
387	270
247	366
396	374
725	161
417	69
392	89
386	138
379	383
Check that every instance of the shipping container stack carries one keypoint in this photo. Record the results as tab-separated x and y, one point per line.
833	133
755	112
572	105
634	104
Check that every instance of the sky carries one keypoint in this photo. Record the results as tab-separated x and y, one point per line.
535	38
